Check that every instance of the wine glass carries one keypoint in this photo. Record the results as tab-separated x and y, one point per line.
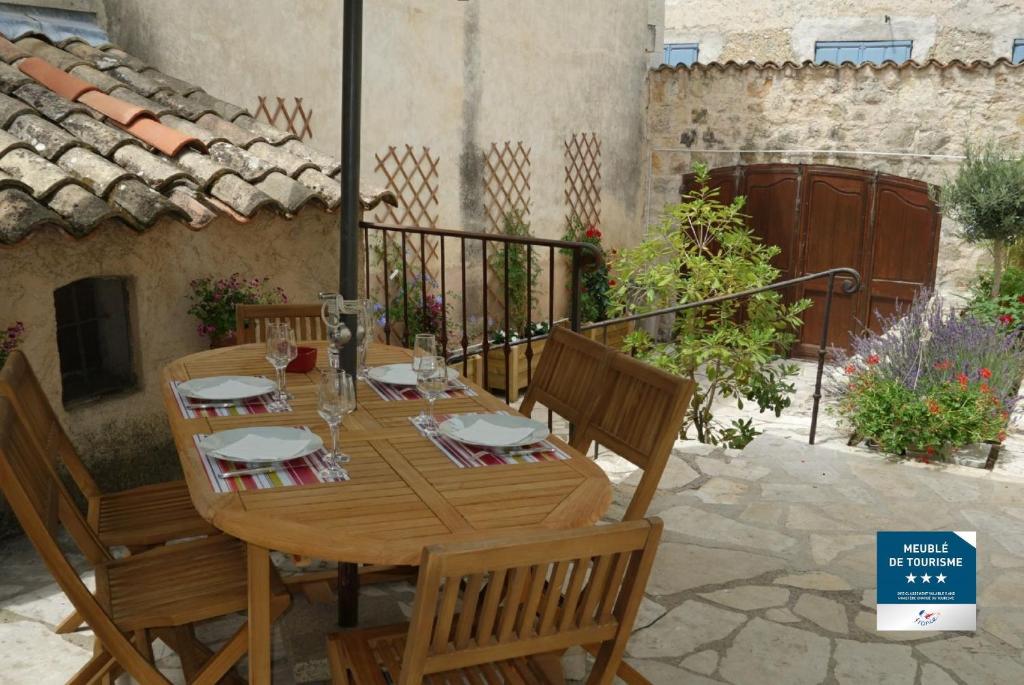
432	381
425	346
293	352
365	322
335	399
280	338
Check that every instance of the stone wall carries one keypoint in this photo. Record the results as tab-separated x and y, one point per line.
911	121
301	255
940	29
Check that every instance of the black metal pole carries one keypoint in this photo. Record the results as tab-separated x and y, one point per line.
351	91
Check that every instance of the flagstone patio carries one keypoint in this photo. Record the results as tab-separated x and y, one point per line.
765	575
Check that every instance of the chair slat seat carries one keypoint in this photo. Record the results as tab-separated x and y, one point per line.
147	516
378	653
177	584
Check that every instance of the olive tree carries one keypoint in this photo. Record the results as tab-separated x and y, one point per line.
986	197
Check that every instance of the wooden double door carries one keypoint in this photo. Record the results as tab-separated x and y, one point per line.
886	227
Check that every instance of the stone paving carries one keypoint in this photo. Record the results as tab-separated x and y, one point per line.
765	575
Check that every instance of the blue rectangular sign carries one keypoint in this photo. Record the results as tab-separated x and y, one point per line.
927	580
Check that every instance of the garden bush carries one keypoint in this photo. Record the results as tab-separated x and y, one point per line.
934	379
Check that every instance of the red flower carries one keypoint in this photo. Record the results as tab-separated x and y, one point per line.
930	450
851	369
1021	299
872	359
943	365
590	232
612	282
933	407
1001	436
985	389
1006	319
985	373
962	379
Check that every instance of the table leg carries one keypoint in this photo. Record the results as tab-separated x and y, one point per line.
348	595
259	614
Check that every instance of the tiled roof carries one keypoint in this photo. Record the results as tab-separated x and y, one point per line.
808	64
91	135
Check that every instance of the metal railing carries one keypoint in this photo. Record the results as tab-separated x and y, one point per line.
392	248
581	256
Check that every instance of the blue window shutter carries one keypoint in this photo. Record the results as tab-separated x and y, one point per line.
681	53
861	51
1018	51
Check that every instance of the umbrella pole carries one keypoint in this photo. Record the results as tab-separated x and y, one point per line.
351	90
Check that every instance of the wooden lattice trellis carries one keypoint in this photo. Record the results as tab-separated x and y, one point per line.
413	176
296	120
506	189
583	178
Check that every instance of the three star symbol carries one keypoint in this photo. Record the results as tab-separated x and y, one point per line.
941	578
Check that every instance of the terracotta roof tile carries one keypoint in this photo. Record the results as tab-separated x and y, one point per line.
288	192
141	84
10	109
249	166
42	176
174	84
61	59
98	78
20	215
103	158
59	81
11	78
241	196
48	140
207	102
94	171
53	106
142	205
292	165
81	209
105	139
154	170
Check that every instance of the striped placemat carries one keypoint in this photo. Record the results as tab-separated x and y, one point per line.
264	404
410	392
302	471
473	456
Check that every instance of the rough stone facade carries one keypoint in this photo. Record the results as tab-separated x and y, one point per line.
300	255
940	29
910	121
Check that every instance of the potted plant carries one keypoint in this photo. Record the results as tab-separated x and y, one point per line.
12	338
214	300
934	383
519	363
595	288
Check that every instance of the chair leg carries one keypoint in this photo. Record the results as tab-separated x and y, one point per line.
70	624
144	645
626	673
185	644
220	665
96	665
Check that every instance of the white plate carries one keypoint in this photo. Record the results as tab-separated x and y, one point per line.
224	388
401	374
262	445
494	430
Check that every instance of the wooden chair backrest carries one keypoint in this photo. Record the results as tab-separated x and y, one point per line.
251	321
529	594
568	377
638	416
19	383
39	501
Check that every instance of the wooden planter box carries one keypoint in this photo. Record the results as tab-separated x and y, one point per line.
517	369
474	372
612	335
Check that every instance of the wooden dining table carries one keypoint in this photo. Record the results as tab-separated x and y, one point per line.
404	493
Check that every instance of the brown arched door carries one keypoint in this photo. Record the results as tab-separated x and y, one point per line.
886	227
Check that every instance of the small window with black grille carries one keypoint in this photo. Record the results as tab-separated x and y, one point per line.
94	339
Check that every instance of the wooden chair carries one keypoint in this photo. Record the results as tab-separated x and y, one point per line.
159	593
568	379
638	415
523	598
251	321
